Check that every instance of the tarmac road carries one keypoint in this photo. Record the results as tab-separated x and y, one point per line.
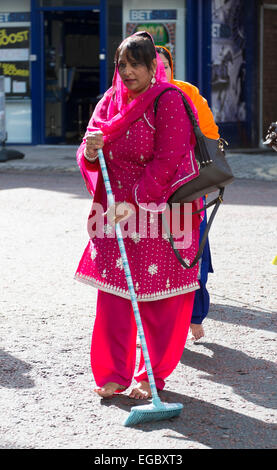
226	381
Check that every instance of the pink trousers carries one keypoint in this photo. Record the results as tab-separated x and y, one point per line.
113	347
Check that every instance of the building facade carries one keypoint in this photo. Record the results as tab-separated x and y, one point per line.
56	57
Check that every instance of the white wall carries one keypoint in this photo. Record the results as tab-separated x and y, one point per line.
178	5
18	122
9	6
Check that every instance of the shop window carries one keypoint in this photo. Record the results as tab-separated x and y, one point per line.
15	67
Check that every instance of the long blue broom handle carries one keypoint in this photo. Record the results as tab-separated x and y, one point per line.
129	280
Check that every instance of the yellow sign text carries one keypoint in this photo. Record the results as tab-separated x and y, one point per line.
13	38
12	70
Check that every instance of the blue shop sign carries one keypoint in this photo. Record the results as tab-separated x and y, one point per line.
143	15
15	17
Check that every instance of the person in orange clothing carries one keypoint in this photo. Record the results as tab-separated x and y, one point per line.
210	130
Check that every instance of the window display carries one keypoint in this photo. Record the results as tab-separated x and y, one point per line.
15	68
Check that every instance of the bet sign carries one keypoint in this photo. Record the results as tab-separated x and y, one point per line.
150	15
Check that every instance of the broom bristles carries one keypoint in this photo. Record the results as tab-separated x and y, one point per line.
146	413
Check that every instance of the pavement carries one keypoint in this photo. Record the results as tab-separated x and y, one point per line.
256	166
226	381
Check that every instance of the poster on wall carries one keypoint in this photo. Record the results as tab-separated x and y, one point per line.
164	34
14	60
228	61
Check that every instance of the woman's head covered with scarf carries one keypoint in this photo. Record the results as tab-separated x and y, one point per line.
139	48
115	112
167	61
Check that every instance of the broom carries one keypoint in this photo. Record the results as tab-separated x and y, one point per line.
156	410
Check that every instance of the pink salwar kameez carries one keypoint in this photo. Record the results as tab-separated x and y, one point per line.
148	157
113	347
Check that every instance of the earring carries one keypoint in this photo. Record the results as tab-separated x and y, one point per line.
153	80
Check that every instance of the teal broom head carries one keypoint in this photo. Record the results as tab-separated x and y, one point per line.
153	412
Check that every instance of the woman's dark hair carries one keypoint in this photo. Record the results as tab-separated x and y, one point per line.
139	47
161	50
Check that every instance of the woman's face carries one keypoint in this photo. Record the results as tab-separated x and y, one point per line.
134	75
166	66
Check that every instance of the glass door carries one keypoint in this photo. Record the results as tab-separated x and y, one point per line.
54	77
72	73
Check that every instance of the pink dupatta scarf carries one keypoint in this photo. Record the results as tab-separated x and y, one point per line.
113	115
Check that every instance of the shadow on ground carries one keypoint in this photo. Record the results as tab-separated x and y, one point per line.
260	319
13	372
205	423
240	192
72	183
251	378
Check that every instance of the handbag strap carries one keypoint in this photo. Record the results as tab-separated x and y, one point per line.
191	115
216	202
205	159
203	154
210	204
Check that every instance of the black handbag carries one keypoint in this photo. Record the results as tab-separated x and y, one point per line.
214	174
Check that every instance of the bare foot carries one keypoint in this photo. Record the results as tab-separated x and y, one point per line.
141	391
109	389
197	331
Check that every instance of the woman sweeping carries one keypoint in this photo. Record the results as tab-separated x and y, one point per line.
210	130
146	155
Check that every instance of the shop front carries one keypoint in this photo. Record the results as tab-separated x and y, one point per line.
211	42
57	57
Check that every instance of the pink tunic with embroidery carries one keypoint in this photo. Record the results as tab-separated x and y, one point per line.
142	166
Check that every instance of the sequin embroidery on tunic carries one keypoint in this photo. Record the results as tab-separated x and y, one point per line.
156	272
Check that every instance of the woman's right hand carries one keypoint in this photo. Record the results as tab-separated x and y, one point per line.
94	141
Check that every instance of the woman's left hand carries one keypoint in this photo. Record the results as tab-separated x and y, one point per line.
118	212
